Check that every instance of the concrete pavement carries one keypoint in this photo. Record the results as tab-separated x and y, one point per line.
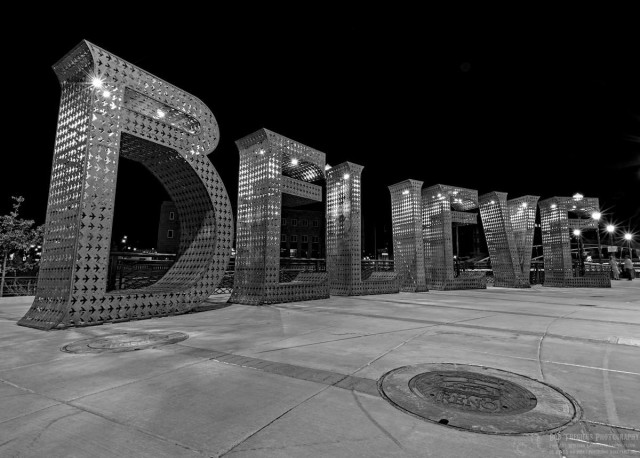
299	379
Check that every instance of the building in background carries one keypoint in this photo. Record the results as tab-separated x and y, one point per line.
168	228
302	234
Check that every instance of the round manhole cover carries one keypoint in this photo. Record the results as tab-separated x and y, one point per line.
479	399
125	341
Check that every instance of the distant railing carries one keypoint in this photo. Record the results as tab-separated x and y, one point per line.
376	265
577	270
138	270
129	270
291	267
19	286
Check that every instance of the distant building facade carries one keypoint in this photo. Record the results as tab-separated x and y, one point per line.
168	229
302	234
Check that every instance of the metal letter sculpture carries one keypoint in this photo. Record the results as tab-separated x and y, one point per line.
443	206
508	227
273	170
109	108
344	224
556	243
408	247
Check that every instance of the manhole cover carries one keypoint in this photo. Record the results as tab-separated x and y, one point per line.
479	399
125	341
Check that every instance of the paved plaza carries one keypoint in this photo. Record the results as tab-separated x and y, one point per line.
300	379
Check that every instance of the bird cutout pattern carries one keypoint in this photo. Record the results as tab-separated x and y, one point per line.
271	167
444	206
111	108
508	226
343	234
556	229
406	232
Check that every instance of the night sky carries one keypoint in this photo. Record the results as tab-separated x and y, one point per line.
541	117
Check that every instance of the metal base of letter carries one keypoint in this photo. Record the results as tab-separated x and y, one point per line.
109	108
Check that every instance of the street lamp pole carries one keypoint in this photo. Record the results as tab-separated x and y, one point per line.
596	216
628	238
610	229
577	197
577	233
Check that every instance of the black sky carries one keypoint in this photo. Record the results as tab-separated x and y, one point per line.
534	116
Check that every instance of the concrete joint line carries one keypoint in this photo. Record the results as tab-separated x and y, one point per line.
89	411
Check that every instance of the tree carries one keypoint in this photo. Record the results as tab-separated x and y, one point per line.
18	237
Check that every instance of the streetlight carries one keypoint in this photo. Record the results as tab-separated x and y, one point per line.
610	229
628	237
596	216
97	82
577	233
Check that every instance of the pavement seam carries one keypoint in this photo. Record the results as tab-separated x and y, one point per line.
436	323
345	338
409	340
542	338
136	381
225	452
612	413
262	362
375	423
87	410
507	312
31	364
48	425
611	426
27	390
132	426
563	290
30	413
551	362
311	331
309	444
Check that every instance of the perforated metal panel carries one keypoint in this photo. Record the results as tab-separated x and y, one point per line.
272	166
508	227
128	112
556	242
522	212
442	206
406	223
344	225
